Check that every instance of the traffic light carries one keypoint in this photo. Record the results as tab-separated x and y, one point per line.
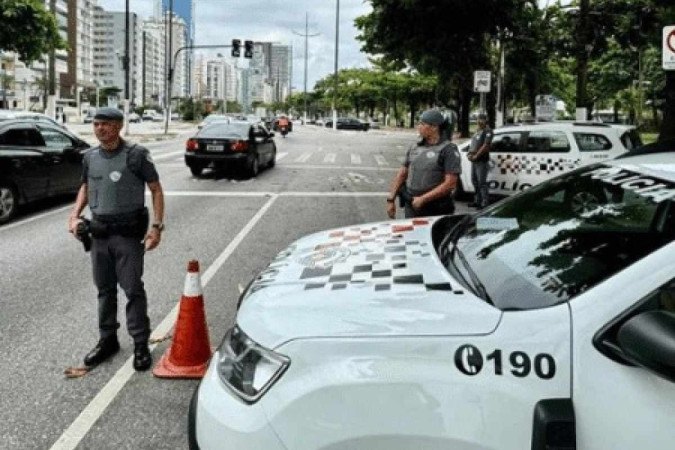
248	49
236	48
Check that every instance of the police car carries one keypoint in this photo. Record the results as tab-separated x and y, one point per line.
546	321
524	155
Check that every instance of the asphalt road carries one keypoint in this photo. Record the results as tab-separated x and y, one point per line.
233	226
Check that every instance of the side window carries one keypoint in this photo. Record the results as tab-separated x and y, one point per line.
547	142
588	142
23	137
631	139
55	140
506	143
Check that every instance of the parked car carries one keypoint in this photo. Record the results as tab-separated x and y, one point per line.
525	155
545	321
152	115
244	145
348	123
211	118
134	118
37	160
28	115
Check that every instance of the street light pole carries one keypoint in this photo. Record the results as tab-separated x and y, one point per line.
337	38
126	68
306	35
167	99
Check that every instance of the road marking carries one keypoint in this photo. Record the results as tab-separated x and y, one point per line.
34	218
303	158
356	159
313	167
93	411
168	155
329	158
281	155
272	194
381	161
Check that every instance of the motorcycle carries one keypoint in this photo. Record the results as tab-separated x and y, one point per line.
284	130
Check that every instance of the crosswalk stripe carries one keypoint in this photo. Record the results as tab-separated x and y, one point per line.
356	159
380	160
303	158
329	158
281	155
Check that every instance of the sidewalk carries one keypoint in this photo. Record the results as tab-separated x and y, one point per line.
138	132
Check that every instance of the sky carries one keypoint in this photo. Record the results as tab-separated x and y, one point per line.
220	21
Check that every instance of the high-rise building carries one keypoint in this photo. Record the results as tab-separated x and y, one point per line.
153	70
185	9
80	74
278	60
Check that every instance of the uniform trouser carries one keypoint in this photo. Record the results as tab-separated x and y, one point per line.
479	175
118	259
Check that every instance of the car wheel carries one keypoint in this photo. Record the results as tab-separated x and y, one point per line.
9	202
196	170
253	166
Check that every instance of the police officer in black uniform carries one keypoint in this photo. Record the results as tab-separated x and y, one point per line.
429	173
479	155
114	177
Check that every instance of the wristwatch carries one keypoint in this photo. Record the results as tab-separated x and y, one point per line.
391	200
159	226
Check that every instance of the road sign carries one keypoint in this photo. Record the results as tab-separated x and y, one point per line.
481	81
669	47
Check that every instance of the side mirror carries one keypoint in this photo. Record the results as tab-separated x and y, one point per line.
271	134
648	340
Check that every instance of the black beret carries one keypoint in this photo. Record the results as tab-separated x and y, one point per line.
109	114
432	117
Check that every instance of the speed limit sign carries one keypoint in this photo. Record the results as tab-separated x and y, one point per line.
669	47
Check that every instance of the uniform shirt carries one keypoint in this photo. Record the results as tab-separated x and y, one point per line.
428	164
481	137
116	180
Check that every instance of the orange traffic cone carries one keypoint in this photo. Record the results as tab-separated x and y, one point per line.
190	350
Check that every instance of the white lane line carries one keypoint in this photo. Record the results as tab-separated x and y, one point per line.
308	166
281	155
303	158
93	411
381	161
356	159
168	155
270	194
37	217
329	158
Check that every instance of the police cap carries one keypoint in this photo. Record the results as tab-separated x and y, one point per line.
109	114
432	117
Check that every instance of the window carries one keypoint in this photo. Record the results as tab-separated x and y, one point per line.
23	137
547	142
55	140
588	142
561	238
506	143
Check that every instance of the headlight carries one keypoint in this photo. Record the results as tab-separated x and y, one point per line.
247	368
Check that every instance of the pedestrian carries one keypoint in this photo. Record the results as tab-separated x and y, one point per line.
428	177
114	175
479	155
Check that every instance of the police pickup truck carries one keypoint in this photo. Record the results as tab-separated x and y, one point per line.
546	321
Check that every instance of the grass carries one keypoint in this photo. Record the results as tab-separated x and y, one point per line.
648	138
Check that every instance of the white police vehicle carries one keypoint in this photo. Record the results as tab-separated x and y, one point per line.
546	321
522	156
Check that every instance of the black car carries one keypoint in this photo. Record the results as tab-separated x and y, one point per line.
242	144
37	160
348	123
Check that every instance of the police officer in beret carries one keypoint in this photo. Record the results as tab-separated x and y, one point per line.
114	176
429	173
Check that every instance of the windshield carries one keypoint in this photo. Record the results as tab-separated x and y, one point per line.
224	129
562	237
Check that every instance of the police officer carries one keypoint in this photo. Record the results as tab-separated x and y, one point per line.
429	173
479	155
114	176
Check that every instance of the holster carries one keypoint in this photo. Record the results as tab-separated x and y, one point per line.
404	196
133	224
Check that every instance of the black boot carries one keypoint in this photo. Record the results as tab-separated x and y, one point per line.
105	348
142	356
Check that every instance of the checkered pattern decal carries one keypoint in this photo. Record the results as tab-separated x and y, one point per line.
380	257
533	164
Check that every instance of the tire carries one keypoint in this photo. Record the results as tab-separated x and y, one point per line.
196	170
273	161
253	167
9	202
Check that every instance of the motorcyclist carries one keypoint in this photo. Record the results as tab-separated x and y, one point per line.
282	125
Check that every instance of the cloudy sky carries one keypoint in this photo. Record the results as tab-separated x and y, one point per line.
220	21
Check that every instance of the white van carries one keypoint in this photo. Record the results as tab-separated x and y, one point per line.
524	155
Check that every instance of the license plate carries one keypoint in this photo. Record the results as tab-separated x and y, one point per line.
214	148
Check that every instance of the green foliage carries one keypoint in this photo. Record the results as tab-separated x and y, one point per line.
28	29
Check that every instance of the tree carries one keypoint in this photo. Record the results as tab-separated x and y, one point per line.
28	29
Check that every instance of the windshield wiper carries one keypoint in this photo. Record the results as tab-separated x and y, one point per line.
452	237
479	288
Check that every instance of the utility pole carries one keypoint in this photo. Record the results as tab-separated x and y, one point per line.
126	68
584	47
51	98
337	39
306	35
167	109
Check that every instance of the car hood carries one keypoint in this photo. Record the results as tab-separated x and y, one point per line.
381	279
